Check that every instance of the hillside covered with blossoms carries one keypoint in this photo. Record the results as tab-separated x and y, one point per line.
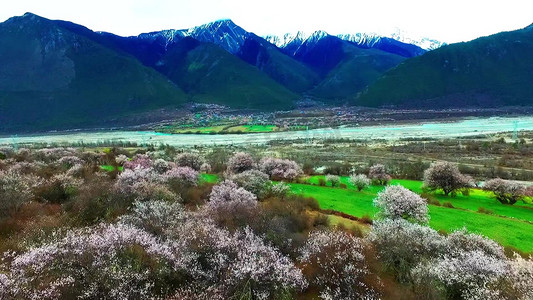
166	224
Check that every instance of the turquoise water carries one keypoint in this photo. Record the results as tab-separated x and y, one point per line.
462	128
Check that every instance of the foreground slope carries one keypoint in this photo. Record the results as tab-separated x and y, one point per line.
53	78
490	71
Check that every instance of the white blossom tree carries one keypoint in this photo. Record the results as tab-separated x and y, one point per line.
396	202
333	262
360	181
401	245
333	179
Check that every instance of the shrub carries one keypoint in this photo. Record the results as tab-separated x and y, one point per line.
281	169
462	241
16	190
59	189
156	217
360	181
181	176
445	176
191	160
121	159
520	276
399	256
231	206
333	263
229	191
253	181
240	162
280	190
507	192
448	205
397	202
109	261
483	210
333	179
433	202
467	275
69	161
161	166
139	161
378	174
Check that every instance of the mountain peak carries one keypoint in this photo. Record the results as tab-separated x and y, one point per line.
223	33
223	21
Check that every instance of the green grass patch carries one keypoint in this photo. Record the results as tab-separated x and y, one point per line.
110	168
209	178
201	130
509	225
253	128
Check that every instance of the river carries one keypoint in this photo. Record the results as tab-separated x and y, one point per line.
461	128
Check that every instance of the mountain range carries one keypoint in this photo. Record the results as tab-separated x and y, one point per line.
58	75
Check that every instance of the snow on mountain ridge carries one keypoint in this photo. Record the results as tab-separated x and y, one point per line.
366	39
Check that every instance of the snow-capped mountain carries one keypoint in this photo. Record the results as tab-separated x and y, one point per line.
223	33
283	41
396	42
422	42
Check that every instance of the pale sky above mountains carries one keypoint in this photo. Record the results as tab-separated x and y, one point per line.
448	21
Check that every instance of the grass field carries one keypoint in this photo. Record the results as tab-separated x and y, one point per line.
109	168
253	128
209	178
226	129
510	225
202	130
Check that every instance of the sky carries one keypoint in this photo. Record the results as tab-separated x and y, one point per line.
445	20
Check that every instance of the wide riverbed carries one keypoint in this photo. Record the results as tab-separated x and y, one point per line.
467	127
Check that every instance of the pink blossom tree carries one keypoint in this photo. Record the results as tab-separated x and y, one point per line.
507	192
182	175
240	162
139	161
191	160
280	169
378	174
446	176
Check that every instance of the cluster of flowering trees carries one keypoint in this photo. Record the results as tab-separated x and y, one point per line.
137	234
458	266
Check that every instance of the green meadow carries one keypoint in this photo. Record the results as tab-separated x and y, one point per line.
509	225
